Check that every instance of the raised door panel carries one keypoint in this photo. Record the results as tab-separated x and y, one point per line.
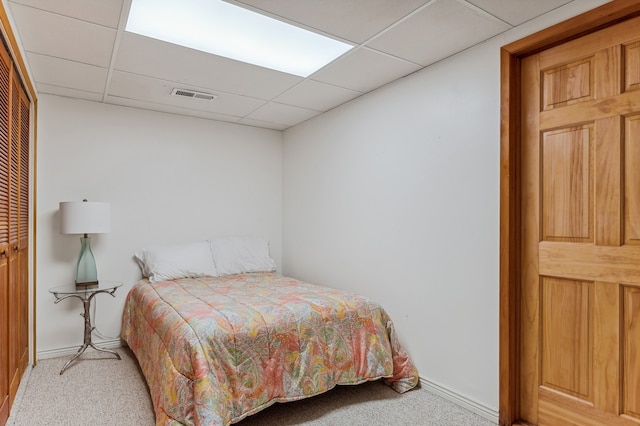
632	179
632	66
567	84
566	334
631	358
566	184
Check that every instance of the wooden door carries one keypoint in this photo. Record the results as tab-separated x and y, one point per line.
22	343
5	67
18	226
15	117
579	304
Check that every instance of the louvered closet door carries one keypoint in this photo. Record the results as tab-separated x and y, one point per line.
580	284
17	290
4	234
23	236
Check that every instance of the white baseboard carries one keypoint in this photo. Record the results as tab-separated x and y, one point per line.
71	350
469	404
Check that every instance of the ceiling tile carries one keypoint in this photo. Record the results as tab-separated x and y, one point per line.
74	39
103	12
364	69
316	95
337	16
282	114
515	12
68	92
437	31
63	73
263	124
137	87
169	109
146	56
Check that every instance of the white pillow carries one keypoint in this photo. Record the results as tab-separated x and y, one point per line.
236	255
168	262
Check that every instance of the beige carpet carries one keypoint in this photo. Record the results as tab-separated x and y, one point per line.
98	390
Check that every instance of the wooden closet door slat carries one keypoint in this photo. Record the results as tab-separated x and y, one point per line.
5	344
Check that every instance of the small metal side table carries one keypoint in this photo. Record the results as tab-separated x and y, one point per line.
86	294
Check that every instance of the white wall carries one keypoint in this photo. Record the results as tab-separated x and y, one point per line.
168	178
396	195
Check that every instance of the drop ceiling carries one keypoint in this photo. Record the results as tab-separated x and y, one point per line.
79	49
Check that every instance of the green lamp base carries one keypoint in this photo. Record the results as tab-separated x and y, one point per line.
87	273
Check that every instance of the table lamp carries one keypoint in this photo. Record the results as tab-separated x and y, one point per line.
85	217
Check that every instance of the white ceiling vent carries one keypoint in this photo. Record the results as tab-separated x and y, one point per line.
193	94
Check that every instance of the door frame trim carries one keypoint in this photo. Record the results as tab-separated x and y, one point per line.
511	56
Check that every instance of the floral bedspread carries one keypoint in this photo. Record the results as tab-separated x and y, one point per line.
215	350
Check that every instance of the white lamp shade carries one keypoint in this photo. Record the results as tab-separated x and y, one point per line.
85	217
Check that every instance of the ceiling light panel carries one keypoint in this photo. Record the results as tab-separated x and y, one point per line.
223	29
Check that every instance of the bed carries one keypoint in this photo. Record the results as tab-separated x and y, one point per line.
215	349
